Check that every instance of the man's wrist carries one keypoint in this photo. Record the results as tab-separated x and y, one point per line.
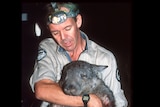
85	99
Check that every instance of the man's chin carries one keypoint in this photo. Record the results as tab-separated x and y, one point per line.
69	49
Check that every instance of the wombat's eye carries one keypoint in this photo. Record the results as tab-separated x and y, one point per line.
83	75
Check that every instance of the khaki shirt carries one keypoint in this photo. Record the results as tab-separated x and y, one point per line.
51	59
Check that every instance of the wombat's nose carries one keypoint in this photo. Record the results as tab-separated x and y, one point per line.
69	89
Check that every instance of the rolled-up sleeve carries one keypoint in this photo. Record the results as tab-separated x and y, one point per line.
47	65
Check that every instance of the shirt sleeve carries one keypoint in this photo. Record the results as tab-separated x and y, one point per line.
45	66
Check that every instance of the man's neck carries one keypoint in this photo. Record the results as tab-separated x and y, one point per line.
78	50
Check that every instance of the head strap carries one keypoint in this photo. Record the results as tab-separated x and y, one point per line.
60	16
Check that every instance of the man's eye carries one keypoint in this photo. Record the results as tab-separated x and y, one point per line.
68	28
55	33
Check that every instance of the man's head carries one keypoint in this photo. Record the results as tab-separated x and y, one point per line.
64	22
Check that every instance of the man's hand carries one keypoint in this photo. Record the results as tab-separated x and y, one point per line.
94	101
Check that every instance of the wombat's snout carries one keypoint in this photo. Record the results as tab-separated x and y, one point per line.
69	88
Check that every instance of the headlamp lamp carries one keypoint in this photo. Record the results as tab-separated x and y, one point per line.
60	16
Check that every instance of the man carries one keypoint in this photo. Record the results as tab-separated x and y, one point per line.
68	44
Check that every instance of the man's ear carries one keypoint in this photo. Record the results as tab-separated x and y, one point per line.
79	20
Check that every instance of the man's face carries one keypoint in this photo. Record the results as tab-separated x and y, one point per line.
66	34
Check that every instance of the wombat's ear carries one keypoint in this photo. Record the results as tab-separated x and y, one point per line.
98	68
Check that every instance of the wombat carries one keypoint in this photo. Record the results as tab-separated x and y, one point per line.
80	77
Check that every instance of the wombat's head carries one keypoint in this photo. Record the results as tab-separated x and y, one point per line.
78	77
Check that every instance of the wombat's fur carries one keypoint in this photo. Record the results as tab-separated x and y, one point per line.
80	77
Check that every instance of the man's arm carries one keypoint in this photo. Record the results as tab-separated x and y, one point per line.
47	90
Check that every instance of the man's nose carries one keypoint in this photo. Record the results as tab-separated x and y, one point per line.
62	34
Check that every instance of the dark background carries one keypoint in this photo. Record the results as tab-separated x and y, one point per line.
107	23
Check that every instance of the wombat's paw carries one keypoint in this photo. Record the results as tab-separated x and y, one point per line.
105	101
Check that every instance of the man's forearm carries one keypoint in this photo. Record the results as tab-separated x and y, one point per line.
49	91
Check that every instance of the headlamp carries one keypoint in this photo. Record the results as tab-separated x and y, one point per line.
60	16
